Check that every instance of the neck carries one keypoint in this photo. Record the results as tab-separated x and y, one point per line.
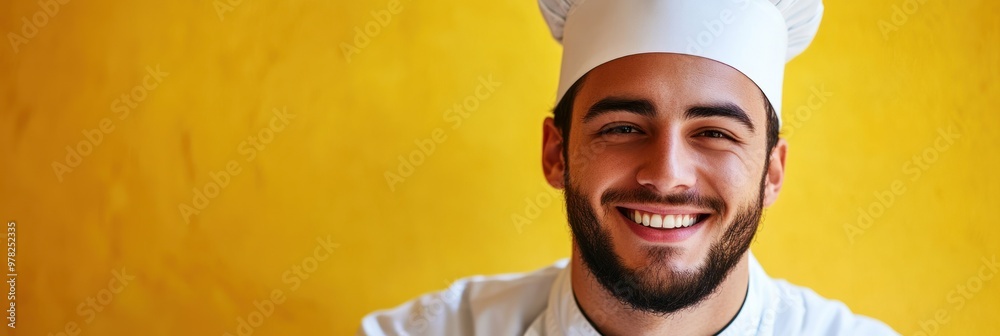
610	317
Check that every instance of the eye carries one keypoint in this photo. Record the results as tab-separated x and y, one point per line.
714	134
619	129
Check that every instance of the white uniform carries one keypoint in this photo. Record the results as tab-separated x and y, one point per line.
542	303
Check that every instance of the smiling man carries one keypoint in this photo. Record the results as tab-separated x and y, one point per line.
665	140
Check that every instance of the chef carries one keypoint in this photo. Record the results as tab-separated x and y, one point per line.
677	105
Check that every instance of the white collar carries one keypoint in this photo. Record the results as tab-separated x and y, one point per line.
562	316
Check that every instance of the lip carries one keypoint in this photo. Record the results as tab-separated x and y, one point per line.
663	210
657	235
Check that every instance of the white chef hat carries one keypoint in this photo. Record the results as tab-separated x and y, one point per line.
755	37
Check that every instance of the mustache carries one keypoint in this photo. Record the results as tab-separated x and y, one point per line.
643	195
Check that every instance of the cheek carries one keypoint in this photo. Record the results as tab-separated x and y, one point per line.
731	175
592	162
601	166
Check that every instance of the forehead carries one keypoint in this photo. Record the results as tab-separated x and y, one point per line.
672	82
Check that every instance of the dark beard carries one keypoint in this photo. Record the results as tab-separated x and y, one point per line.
643	289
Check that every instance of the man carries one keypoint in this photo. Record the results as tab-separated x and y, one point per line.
665	140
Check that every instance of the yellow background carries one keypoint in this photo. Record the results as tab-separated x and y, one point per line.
323	174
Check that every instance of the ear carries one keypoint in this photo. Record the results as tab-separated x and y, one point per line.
553	165
775	172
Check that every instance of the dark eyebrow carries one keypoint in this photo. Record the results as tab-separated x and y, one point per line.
725	110
611	104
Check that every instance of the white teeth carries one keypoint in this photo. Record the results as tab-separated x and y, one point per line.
688	220
663	221
656	221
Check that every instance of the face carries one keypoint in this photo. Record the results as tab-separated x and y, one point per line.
666	172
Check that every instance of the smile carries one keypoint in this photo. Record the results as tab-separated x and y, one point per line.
662	221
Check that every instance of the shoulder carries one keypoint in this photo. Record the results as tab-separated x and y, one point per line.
799	310
469	306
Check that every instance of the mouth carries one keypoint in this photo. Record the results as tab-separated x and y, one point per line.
663	221
664	225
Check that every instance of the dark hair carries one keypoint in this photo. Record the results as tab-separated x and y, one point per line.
563	117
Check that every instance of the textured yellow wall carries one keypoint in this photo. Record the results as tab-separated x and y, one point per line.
896	118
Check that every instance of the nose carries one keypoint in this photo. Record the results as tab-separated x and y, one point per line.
669	166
